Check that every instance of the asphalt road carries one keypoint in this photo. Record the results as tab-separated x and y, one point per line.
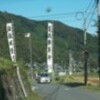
65	92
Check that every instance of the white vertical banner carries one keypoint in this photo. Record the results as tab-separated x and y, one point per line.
50	47
11	44
10	37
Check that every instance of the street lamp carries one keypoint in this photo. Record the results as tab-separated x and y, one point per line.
28	35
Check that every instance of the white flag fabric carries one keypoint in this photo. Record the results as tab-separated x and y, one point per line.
10	37
27	35
50	47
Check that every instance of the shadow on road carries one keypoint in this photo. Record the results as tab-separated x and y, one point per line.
74	84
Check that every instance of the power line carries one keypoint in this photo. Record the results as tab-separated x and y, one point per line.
79	15
89	14
91	17
89	9
58	14
66	14
89	5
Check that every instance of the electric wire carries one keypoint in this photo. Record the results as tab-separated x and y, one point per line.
61	15
57	14
91	17
69	15
78	16
89	5
89	9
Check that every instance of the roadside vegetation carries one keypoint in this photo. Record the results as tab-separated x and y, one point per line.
33	96
9	82
78	80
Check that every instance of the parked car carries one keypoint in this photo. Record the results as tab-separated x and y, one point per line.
44	78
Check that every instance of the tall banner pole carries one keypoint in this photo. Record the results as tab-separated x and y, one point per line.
50	47
12	51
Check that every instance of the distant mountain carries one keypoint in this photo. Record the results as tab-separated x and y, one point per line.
65	38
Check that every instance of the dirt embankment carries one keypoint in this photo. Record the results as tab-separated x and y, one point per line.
10	88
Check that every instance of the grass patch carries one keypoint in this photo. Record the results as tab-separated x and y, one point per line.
33	96
59	79
76	80
94	87
5	63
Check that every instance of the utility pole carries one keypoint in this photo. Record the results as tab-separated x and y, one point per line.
85	54
98	15
29	36
70	62
30	47
85	33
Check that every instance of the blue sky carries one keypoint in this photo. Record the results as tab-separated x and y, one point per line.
36	10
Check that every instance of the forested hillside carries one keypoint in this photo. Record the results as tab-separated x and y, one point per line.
65	38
